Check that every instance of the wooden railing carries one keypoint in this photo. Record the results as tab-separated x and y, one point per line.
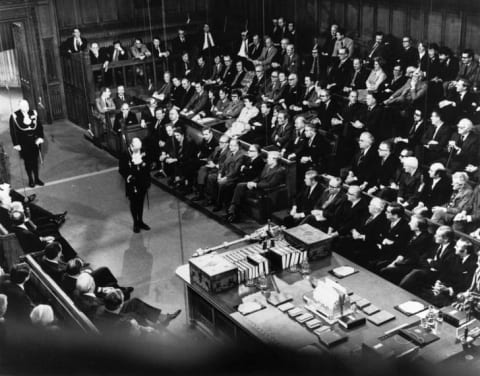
53	295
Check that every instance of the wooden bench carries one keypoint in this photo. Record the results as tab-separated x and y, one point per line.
262	206
50	293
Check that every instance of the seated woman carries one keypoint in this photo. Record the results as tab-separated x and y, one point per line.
240	125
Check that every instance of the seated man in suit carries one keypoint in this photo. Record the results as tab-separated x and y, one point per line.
124	119
185	160
52	263
197	103
463	104
388	167
462	270
395	238
139	50
305	200
211	166
365	164
463	147
436	190
233	109
350	214
314	152
272	176
19	304
329	202
436	265
409	183
29	241
362	244
227	175
435	139
415	250
282	134
460	200
121	97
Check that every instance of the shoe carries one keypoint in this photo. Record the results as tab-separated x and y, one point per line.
136	229
217	208
144	226
174	315
39	182
232	218
30	198
198	198
31	184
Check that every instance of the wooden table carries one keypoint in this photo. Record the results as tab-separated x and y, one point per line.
216	314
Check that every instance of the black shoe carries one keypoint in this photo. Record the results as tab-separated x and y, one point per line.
144	226
232	218
198	198
30	198
31	184
39	182
174	315
217	208
136	229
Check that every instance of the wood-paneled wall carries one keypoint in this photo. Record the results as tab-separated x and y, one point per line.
109	14
446	22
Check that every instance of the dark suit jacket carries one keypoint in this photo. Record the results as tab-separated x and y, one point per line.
443	262
291	64
388	87
365	168
90	305
228	75
68	47
373	122
408	187
29	241
461	274
436	152
250	170
374	231
254	51
53	269
317	150
130	120
257	87
237	79
348	217
178	47
449	69
19	304
118	102
438	195
206	149
358	81
340	75
231	166
150	119
469	152
187	95
387	170
416	249
198	102
282	135
408	58
400	234
271	177
305	201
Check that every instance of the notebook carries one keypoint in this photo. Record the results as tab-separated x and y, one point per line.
381	317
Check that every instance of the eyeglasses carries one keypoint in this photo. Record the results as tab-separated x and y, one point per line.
291	79
274	76
380	149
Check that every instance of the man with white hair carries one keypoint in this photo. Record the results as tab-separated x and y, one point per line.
26	132
463	147
409	183
135	169
271	176
365	163
460	200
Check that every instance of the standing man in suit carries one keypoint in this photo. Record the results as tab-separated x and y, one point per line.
305	200
135	169
272	175
207	43
26	132
267	55
180	44
342	41
408	56
75	43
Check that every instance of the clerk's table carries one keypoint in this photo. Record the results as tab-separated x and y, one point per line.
217	315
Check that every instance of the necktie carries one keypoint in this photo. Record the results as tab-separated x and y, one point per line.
461	141
354	78
122	97
435	133
370	219
328	201
75	44
115	55
439	252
